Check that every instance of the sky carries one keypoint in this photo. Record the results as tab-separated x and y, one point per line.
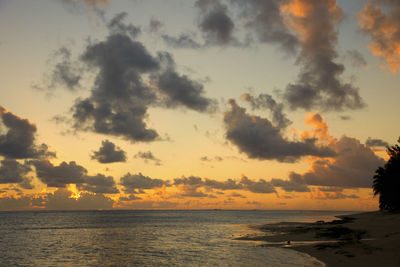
202	104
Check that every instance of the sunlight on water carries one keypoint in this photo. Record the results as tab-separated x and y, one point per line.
144	238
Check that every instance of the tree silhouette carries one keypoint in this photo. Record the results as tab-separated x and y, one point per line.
387	181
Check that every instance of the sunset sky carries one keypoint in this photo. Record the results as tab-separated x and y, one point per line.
181	104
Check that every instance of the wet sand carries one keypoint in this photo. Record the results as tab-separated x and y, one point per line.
365	239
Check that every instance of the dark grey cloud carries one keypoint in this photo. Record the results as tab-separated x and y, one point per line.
191	180
155	25
182	91
235	194
119	98
192	183
229	184
148	156
260	139
61	175
13	172
353	166
356	58
376	142
109	153
19	140
319	83
210	159
345	118
265	101
136	183
261	186
294	184
123	88
326	195
330	189
190	187
215	22
100	184
184	40
117	26
265	20
65	72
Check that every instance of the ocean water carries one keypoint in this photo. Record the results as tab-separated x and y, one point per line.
145	238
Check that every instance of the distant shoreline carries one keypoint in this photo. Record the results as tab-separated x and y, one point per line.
362	239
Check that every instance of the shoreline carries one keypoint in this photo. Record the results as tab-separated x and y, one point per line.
362	239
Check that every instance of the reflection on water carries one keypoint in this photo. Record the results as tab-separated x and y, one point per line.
143	238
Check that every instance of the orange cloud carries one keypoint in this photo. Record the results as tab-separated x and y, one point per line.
301	14
384	29
319	128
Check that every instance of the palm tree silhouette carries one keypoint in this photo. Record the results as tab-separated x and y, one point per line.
386	181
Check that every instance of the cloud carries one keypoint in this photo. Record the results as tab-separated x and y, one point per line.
182	91
261	186
260	139
109	153
61	175
99	184
215	22
148	156
119	98
19	140
376	142
356	58
192	183
229	184
235	194
208	159
128	80
294	184
136	183
345	118
155	25
319	84
61	200
265	101
184	40
353	166
13	172
381	21
65	72
117	26
324	195
265	19
189	187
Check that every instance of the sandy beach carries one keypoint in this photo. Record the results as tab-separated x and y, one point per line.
365	239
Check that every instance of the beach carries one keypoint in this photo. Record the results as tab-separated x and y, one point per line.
364	239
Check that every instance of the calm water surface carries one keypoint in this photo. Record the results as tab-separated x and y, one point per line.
145	238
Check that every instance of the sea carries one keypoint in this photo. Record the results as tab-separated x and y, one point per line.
147	238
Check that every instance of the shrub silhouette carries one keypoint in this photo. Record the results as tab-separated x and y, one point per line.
386	181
